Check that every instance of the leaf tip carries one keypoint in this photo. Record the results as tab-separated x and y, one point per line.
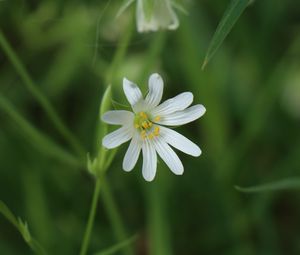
204	64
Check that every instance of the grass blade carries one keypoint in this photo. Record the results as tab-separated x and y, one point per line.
124	7
8	214
231	15
39	96
35	137
22	228
274	186
117	247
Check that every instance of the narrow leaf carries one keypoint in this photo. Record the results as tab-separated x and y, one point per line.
22	227
117	247
274	186
36	247
35	137
106	101
110	157
104	107
231	15
4	210
97	166
124	7
39	95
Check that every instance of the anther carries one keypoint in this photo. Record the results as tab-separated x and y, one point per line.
145	124
151	136
143	134
156	131
157	118
143	115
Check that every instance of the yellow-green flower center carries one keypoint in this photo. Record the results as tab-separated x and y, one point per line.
143	123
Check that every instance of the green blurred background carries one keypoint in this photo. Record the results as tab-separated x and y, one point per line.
249	134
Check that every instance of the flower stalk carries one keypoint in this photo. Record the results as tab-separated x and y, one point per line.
91	219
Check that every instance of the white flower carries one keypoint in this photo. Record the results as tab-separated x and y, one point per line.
153	15
145	127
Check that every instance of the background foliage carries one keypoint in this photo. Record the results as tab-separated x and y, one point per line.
250	134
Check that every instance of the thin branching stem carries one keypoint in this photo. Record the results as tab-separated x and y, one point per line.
91	219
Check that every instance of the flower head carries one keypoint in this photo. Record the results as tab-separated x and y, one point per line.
152	15
145	127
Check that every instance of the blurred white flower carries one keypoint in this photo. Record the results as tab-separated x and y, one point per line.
153	15
145	127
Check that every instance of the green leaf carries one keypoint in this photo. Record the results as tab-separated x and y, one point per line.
99	164
104	107
124	7
36	247
117	247
106	101
274	186
18	223
231	15
38	95
8	214
22	227
35	137
110	157
92	164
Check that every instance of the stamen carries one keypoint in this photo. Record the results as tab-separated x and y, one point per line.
157	118
151	136
143	115
156	131
145	124
143	134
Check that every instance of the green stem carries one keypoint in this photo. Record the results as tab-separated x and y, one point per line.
114	217
91	219
39	96
159	228
120	53
155	48
107	197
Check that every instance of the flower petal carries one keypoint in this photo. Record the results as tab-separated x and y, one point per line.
174	21
156	86
178	103
179	142
119	117
183	117
168	156
118	137
149	161
140	17
132	153
132	92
